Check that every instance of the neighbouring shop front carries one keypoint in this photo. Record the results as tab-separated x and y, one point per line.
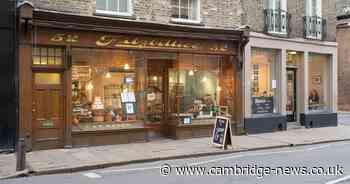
111	82
289	83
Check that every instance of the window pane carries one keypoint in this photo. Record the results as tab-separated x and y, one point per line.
36	60
51	60
264	81
58	61
43	51
194	10
101	4
43	60
58	52
113	5
107	91
36	51
123	6
184	9
201	86
47	78
51	52
319	82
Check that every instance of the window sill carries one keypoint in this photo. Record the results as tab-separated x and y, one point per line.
186	22
115	15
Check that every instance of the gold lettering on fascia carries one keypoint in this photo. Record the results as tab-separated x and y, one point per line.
104	41
62	37
220	48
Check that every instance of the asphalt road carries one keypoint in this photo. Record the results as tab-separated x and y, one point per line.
322	155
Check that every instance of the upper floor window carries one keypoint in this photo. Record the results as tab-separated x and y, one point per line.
276	17
114	7
314	8
185	10
313	21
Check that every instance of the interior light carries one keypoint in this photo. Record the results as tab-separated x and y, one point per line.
191	73
90	86
292	53
108	75
204	79
218	88
155	78
126	67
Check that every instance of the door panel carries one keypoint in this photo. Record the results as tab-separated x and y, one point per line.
48	114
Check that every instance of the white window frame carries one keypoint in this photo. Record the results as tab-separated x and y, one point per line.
271	4
182	20
309	12
110	12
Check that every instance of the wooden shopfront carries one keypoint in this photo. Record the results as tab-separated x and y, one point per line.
96	81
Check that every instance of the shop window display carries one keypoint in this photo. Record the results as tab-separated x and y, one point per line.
104	88
201	87
319	79
264	81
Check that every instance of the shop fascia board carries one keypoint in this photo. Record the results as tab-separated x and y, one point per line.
52	19
296	44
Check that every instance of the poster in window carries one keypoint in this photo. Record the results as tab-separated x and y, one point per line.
129	108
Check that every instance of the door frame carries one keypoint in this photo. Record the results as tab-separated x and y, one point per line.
295	113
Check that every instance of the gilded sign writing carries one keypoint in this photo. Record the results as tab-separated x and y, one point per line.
122	41
104	41
70	38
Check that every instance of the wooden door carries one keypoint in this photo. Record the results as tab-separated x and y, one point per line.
47	110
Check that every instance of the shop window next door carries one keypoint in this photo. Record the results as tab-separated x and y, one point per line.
291	95
47	110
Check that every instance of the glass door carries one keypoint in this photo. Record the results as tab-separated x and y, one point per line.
291	95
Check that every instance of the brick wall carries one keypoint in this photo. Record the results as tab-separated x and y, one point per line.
214	13
254	16
343	39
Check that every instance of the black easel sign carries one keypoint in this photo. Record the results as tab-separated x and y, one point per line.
222	132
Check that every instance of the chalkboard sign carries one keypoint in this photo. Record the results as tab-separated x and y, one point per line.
262	105
222	132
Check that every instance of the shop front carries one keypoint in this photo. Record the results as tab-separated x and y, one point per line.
289	83
112	82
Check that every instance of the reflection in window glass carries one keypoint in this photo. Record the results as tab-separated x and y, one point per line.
104	89
264	81
319	81
201	86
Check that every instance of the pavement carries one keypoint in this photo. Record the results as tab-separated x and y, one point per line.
327	163
87	158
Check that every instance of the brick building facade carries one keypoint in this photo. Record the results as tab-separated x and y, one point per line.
343	39
214	14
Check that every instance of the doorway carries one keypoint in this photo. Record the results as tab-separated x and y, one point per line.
157	96
291	107
47	110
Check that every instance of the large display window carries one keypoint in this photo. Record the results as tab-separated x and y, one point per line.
319	82
105	90
201	87
264	81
